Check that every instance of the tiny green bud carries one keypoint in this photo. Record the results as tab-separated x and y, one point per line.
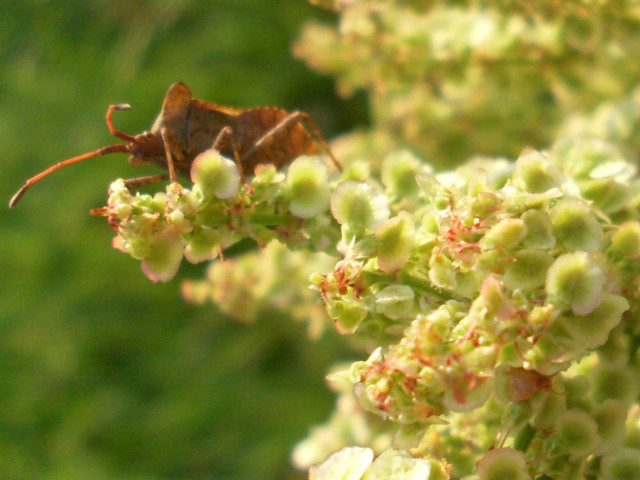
215	174
163	257
575	280
204	244
359	205
395	240
577	432
625	242
621	464
617	383
592	329
398	465
529	269
438	194
399	170
549	412
442	272
350	463
536	172
395	301
347	313
503	463
508	233
308	187
539	229
610	416
575	225
607	194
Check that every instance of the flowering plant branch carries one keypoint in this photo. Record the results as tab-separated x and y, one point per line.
499	299
493	291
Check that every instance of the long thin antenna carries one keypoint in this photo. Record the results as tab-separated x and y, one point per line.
118	147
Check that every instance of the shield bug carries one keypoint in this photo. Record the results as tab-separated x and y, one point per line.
186	127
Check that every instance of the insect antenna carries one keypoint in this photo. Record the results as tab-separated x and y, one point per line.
118	147
96	153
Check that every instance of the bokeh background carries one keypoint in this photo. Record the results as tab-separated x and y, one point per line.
103	374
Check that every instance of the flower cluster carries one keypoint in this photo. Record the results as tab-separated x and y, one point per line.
499	300
199	223
452	80
490	290
505	279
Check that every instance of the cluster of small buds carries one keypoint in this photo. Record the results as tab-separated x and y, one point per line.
505	278
247	285
199	223
453	79
485	288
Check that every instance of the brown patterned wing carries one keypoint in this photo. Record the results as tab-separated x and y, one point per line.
270	135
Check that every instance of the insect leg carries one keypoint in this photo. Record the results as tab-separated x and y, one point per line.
226	135
115	132
171	149
303	119
137	182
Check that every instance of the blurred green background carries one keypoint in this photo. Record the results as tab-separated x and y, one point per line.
102	373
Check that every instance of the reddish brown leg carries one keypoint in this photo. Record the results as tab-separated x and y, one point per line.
133	183
291	119
172	149
225	135
112	129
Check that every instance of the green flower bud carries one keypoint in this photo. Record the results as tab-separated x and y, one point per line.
216	175
395	242
617	383
438	194
536	173
625	242
575	225
546	348
399	170
575	280
395	301
347	313
204	244
610	416
308	186
442	272
615	350
350	463
507	234
622	464
528	270
539	229
358	170
163	257
471	399
503	463
577	432
582	157
548	414
398	465
592	329
358	205
609	195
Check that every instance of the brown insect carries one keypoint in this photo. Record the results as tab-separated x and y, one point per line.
187	127
524	384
